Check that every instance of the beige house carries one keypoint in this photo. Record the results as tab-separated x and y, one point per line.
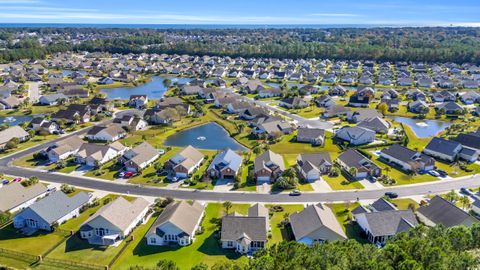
15	196
185	163
440	211
177	224
10	133
114	221
316	224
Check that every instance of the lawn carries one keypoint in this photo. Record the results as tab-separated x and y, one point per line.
279	234
36	244
288	145
341	183
204	249
403	204
30	143
402	178
309	112
343	214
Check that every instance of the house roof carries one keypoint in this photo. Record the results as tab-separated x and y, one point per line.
375	123
258	210
471	140
353	158
404	154
312	218
226	159
311	161
312	133
15	194
57	205
112	130
441	211
183	215
382	205
244	227
262	160
443	146
385	223
120	212
142	153
12	132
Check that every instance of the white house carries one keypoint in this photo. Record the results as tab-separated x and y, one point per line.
109	133
356	135
177	224
15	196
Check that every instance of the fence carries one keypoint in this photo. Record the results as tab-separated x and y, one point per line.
19	255
119	253
73	264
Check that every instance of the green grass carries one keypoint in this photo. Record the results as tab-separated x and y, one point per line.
343	214
288	145
36	244
204	249
401	177
30	143
403	204
341	183
278	234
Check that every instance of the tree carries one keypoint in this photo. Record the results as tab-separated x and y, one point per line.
167	83
465	201
452	196
167	265
12	143
383	108
227	206
200	266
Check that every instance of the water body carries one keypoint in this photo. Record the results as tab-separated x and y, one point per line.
154	89
16	120
209	136
423	128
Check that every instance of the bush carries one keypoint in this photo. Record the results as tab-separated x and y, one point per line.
283	183
67	189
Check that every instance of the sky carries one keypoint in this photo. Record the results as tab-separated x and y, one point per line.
382	12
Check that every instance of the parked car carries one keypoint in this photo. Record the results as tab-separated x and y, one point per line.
121	174
391	195
465	191
295	193
161	151
18	179
5	182
128	174
433	173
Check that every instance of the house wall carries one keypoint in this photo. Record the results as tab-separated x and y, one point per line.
440	155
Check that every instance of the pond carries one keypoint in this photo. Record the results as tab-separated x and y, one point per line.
209	136
154	89
423	128
16	119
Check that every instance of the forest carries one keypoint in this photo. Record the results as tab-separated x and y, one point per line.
422	248
434	44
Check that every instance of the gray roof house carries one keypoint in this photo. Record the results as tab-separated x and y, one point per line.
139	157
381	225
316	224
53	209
407	159
114	221
443	149
225	165
268	166
245	234
352	161
177	224
356	135
377	124
450	108
12	132
440	211
315	136
15	196
312	165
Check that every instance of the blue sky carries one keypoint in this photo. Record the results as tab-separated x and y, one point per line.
384	12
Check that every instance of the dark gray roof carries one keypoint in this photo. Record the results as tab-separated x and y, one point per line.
313	133
382	205
441	211
443	146
470	140
312	218
235	227
57	205
387	223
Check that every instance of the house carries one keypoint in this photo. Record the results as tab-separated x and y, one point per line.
253	112
315	136
440	211
110	133
139	157
379	226
407	159
293	103
377	124
40	123
238	106
177	224
418	106
362	97
356	135
470	97
171	102
53	209
357	165
164	117
15	197
449	108
52	99
75	113
316	224
311	166
268	167
336	110
416	94
273	126
470	140
12	132
185	162
225	165
114	221
10	102
269	92
64	148
325	101
245	234
138	101
94	155
337	90
363	114
100	104
447	150
105	80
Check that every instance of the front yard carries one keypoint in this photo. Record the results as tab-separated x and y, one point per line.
278	233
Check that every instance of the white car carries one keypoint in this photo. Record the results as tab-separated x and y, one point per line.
433	173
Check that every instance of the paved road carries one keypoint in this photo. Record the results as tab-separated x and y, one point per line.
34	91
441	186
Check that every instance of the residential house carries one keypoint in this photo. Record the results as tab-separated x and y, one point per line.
139	157
356	135
311	166
110	133
470	97
177	224
440	211
64	148
337	90
12	132
75	113
40	123
336	110
245	234
269	92
357	165
449	108
183	164
52	99
53	209
94	155
138	101
225	165
273	126
15	197
362	97
253	112
171	102
418	106
407	159
377	124
316	224
293	103
325	101
10	102
114	221
363	114
315	136
268	167
440	148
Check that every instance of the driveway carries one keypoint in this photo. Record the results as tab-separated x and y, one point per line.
34	91
223	185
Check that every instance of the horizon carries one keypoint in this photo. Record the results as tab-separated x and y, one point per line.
269	12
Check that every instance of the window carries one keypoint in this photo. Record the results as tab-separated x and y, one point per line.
153	240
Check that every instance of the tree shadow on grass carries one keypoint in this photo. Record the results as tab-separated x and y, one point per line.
211	247
10	233
75	243
142	249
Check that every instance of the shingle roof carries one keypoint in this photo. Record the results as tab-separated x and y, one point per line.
15	194
382	205
443	146
312	218
269	156
12	132
183	215
237	227
386	223
227	158
441	211
313	133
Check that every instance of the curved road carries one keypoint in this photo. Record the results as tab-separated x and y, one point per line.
440	186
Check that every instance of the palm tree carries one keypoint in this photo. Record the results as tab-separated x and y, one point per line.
465	201
387	170
227	205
